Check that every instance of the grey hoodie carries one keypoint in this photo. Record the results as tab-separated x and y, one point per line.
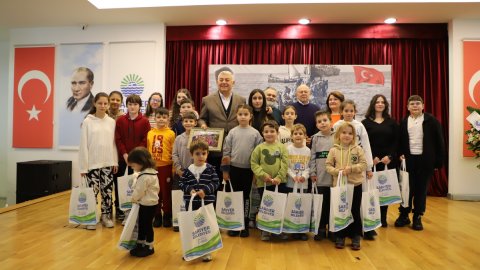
321	145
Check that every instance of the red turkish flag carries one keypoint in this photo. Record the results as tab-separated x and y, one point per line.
368	75
33	97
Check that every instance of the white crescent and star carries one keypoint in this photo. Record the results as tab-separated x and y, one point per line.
34	75
472	83
366	74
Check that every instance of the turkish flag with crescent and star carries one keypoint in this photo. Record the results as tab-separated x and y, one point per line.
33	97
368	75
471	86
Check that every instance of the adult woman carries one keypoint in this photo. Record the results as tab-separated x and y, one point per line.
115	99
155	101
257	100
334	100
383	135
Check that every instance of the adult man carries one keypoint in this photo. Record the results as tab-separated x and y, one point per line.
272	104
81	85
219	110
305	110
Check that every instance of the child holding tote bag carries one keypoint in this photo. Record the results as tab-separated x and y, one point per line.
348	158
98	159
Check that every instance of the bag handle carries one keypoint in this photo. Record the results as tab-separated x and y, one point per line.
225	184
340	179
126	171
403	165
191	202
314	189
84	182
265	187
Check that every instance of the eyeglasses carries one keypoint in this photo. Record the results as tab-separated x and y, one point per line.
156	100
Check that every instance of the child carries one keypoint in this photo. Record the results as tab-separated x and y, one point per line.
298	161
322	142
98	155
199	178
423	147
269	164
130	131
160	141
181	154
186	105
115	99
285	132
348	157
237	148
349	109
181	94
155	101
145	193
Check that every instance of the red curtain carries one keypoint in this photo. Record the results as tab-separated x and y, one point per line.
419	66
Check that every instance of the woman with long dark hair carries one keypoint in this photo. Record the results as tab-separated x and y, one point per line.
258	102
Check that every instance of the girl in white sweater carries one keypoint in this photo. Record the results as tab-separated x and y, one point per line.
98	155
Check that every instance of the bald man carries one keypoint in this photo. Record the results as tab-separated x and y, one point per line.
305	110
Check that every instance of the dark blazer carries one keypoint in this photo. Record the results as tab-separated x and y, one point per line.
213	114
433	155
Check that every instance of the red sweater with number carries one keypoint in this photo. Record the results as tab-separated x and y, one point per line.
130	133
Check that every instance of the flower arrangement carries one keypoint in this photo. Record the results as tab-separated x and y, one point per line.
473	137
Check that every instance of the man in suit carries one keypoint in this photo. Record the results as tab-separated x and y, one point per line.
219	110
82	97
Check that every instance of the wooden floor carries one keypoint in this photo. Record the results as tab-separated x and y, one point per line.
38	237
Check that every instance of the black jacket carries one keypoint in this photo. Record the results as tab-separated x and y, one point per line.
433	155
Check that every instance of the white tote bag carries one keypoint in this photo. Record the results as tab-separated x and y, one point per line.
125	190
298	211
83	206
341	197
317	204
370	208
178	205
129	236
229	209
404	184
271	211
199	231
386	182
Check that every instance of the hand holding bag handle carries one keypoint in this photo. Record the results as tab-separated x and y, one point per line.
225	185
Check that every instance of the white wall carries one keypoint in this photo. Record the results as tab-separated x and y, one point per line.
58	35
463	176
4	94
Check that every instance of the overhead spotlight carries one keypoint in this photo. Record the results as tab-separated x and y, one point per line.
390	20
221	22
304	21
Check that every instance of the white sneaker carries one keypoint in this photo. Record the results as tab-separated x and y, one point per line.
91	227
207	258
107	221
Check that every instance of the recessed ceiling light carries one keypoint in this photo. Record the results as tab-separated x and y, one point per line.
304	21
390	20
221	22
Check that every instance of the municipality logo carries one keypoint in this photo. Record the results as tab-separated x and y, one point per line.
228	202
298	203
343	197
199	220
372	201
82	197
382	179
268	200
130	183
132	84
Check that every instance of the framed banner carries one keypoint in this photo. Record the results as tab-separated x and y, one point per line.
359	83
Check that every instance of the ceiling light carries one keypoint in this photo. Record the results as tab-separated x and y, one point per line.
390	20
304	21
221	22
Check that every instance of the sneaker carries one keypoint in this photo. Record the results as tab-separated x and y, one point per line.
233	233
91	227
320	235
417	223
207	258
135	250
119	214
356	242
244	233
402	220
283	236
167	220
157	222
107	221
176	229
370	235
264	236
340	242
331	236
145	251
